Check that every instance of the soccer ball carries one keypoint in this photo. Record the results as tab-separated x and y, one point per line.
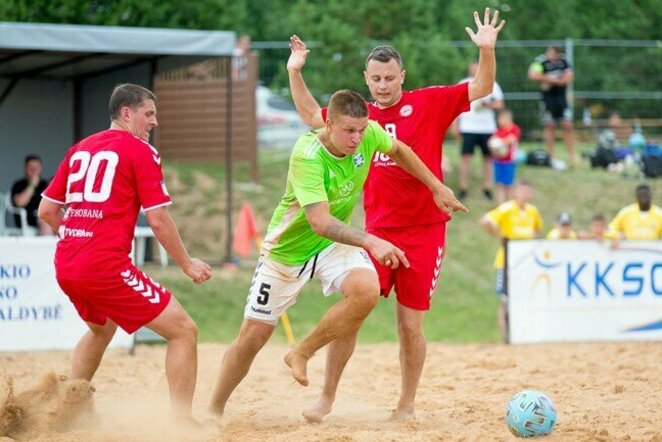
498	147
530	414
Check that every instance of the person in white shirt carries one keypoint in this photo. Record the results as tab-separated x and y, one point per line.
475	127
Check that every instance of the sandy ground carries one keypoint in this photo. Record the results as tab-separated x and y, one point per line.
602	392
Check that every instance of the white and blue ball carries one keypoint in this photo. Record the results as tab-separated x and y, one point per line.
530	413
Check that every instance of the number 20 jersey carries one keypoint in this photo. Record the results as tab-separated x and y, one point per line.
103	180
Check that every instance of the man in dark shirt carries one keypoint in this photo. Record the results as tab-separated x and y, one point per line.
554	73
26	193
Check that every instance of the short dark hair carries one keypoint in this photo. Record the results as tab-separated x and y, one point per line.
32	157
128	95
349	103
599	217
643	188
384	54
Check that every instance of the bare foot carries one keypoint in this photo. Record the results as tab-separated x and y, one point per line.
297	363
215	411
402	415
316	413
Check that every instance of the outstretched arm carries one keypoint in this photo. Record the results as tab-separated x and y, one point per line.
485	38
307	107
326	225
409	161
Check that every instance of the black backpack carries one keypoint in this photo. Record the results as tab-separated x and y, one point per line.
652	165
603	157
538	157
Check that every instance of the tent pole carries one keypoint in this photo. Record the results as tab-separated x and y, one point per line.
228	159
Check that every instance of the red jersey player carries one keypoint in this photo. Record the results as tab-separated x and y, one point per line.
397	208
103	181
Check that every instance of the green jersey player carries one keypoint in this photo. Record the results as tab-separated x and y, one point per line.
309	237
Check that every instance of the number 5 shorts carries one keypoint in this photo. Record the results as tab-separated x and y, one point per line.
275	286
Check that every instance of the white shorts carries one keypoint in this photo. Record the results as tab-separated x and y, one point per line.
275	286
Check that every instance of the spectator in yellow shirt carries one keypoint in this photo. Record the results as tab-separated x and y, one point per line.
514	219
563	228
641	220
598	229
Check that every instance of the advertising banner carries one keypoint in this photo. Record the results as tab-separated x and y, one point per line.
580	290
34	313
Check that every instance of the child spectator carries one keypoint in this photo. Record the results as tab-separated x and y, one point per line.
563	229
503	145
598	229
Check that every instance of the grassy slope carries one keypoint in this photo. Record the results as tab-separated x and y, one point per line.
464	305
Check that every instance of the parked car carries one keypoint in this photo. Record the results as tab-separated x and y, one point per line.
278	124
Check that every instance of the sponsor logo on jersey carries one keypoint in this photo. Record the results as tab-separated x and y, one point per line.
406	110
358	160
346	188
381	160
83	213
64	232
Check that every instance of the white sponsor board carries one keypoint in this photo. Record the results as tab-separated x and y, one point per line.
34	313
575	290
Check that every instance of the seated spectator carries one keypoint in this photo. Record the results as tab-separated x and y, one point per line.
26	193
563	228
597	230
641	220
620	128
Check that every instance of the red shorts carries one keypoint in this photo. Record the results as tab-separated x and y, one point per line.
131	299
424	246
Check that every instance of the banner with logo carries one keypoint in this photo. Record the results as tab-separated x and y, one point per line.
34	313
581	290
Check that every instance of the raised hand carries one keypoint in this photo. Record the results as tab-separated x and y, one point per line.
487	32
298	55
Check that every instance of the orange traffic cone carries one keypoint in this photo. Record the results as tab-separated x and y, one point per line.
246	233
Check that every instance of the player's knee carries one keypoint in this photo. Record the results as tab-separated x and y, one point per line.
186	329
367	295
254	335
190	329
409	329
106	332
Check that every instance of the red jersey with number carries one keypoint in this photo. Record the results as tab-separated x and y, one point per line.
103	180
505	133
393	197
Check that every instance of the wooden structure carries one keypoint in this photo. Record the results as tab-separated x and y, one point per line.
193	109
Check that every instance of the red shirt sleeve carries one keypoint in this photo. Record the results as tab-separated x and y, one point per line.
57	189
451	101
151	187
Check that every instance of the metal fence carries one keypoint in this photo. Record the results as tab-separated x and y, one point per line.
610	75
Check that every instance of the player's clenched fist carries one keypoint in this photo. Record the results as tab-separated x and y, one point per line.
198	270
